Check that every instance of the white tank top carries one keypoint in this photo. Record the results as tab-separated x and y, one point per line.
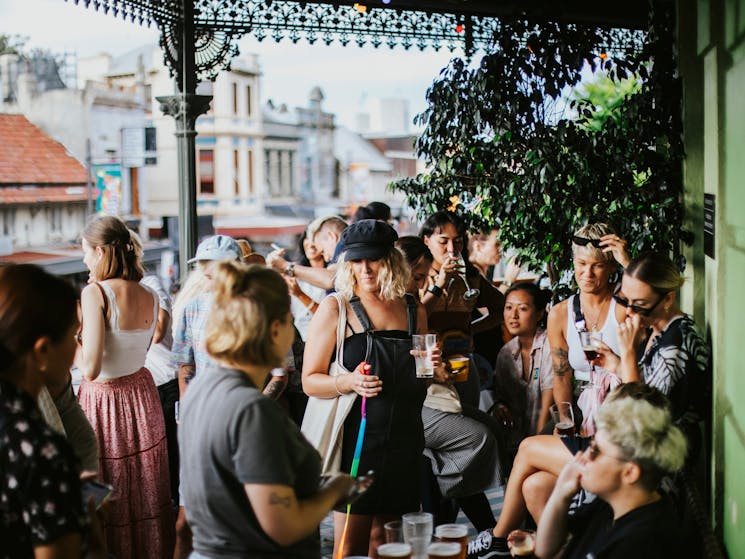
124	351
576	356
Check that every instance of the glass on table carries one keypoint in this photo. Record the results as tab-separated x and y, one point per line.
453	533
394	551
444	550
393	532
417	527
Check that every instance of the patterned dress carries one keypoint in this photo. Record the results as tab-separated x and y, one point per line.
40	499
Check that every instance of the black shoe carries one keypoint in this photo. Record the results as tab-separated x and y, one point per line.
487	546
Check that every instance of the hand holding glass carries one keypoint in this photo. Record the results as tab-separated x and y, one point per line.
563	417
422	345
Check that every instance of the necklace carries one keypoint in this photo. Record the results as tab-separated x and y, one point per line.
594	323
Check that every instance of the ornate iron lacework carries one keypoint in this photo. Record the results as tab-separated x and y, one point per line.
219	24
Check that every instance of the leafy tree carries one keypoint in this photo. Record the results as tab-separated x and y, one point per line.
507	145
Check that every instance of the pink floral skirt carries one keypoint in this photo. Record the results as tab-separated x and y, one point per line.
128	420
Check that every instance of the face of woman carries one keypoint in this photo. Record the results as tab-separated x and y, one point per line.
641	299
490	251
604	465
443	241
90	258
311	251
284	337
366	274
520	314
419	275
61	355
591	273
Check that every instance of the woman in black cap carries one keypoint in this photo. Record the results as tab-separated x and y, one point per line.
371	283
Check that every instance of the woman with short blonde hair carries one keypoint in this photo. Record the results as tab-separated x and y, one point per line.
253	486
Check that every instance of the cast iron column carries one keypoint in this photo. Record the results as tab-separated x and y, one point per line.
185	107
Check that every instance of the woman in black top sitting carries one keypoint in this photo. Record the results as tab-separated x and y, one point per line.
623	466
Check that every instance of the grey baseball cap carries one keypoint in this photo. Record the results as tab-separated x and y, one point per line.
217	247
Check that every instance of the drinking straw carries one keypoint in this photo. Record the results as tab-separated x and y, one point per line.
355	464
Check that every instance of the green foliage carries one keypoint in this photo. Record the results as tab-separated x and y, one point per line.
12	44
507	145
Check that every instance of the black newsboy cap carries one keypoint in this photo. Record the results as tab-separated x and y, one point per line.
368	239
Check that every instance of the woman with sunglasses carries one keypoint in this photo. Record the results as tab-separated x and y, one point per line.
658	343
623	466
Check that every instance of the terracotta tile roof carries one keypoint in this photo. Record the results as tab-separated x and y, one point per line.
25	257
34	194
30	157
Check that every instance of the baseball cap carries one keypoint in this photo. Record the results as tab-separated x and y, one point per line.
368	239
217	247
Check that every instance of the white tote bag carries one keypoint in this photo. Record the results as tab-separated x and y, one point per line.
323	422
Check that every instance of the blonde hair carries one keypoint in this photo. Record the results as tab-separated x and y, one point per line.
194	284
636	418
247	301
593	231
120	257
393	276
656	270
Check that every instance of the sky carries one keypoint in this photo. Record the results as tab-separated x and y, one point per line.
348	76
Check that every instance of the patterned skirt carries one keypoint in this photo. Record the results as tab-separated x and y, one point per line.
128	420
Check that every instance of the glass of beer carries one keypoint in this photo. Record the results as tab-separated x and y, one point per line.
459	367
423	344
563	416
394	551
521	543
444	550
453	533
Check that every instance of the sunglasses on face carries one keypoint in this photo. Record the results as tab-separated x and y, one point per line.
584	241
593	451
643	311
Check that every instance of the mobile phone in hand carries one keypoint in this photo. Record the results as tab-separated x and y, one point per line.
99	491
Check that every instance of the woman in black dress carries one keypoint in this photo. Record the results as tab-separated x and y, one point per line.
371	282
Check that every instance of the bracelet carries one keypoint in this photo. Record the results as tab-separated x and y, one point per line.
507	284
336	387
435	290
290	270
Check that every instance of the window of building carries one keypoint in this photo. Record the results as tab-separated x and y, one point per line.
235	98
251	171
236	182
207	88
206	171
248	101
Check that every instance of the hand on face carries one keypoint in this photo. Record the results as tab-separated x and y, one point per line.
628	333
568	482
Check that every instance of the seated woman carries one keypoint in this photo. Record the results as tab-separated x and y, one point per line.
524	374
40	492
253	482
623	466
674	360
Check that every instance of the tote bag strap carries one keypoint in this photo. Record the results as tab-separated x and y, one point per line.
341	329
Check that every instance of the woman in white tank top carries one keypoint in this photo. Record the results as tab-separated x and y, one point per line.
118	395
597	251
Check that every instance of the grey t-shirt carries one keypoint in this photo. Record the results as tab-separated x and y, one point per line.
231	435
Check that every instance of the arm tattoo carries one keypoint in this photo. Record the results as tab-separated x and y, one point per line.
274	389
275	499
561	362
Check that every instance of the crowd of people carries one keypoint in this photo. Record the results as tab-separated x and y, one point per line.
293	388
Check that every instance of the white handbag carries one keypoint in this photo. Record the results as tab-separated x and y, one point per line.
323	422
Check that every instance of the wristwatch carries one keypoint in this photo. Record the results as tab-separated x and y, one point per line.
290	270
507	284
434	290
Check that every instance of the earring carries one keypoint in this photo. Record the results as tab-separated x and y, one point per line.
667	308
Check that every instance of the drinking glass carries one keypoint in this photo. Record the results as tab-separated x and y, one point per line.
590	343
563	416
417	532
393	532
521	543
423	344
394	551
453	533
471	292
444	550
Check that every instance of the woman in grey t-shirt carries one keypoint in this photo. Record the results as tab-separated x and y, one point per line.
250	479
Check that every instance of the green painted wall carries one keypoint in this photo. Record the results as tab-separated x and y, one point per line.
712	60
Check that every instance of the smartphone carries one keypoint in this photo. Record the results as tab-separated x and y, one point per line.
99	491
362	485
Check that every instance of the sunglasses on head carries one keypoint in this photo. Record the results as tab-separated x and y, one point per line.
584	241
644	311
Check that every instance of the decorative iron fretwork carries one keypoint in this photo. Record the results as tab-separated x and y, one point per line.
218	24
